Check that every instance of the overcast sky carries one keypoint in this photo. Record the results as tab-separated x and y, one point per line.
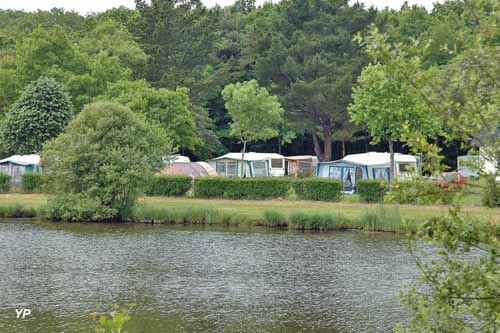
85	6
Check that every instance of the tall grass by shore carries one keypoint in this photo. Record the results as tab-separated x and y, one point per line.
279	214
380	219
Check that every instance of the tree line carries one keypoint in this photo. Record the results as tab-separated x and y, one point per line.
170	61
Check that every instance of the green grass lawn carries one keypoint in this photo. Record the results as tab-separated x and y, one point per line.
253	210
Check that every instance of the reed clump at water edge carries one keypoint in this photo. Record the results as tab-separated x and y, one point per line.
381	218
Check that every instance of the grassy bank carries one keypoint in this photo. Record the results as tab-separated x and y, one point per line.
302	215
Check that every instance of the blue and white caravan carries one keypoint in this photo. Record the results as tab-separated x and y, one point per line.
370	165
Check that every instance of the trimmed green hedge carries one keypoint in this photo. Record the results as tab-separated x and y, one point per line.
320	189
4	182
170	185
371	190
32	182
242	188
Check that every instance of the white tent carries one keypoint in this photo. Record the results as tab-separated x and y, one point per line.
256	164
370	165
17	165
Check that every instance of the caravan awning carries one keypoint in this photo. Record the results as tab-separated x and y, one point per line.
32	159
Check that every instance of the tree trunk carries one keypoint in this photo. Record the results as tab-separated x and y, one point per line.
243	166
343	148
327	133
391	152
317	146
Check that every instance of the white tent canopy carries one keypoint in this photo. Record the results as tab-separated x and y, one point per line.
32	159
374	158
250	156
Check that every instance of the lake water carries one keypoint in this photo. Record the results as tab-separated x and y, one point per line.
200	279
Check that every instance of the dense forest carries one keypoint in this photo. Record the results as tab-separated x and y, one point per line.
171	59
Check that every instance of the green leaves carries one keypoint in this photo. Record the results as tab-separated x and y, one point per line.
255	114
460	282
115	321
169	109
107	154
40	114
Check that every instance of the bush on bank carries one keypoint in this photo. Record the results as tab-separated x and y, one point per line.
371	190
102	163
77	208
418	191
170	185
491	194
4	183
320	189
242	188
32	182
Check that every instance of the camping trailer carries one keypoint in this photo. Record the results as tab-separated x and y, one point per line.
370	165
472	165
301	166
17	165
256	165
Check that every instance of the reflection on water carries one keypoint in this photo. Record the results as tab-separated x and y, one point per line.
200	280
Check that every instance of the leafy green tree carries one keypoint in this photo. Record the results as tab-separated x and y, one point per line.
178	35
40	114
255	114
169	109
105	158
386	105
113	39
304	52
458	286
86	64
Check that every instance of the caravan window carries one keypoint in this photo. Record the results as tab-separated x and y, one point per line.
381	173
220	167
359	173
348	177
276	163
260	169
305	167
232	169
335	172
406	167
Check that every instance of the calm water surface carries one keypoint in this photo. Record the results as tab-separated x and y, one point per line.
200	280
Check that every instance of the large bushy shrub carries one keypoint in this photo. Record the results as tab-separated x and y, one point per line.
321	189
371	190
106	159
491	194
4	182
419	191
32	182
170	185
40	114
241	188
77	208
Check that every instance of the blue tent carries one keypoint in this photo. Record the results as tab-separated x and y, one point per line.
370	165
